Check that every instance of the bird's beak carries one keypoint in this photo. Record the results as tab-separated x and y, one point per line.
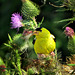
35	32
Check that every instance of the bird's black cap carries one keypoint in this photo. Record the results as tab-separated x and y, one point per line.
38	29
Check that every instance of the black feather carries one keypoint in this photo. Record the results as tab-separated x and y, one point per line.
34	41
54	39
38	29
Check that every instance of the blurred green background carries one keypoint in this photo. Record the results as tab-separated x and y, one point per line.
50	14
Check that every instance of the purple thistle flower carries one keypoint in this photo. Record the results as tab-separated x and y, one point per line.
16	21
69	31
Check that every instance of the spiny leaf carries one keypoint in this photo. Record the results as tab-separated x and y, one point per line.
1	61
70	19
71	45
27	22
7	45
30	71
41	22
71	64
68	24
19	42
61	10
10	38
74	39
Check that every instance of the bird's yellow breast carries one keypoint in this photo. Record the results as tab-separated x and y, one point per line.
44	45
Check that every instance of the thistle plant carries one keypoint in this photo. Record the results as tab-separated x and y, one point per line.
18	60
2	67
19	44
29	9
71	43
68	5
68	30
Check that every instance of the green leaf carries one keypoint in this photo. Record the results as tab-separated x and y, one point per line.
10	38
71	45
1	61
74	39
30	71
41	22
61	10
70	19
34	22
68	24
24	72
71	64
27	22
7	45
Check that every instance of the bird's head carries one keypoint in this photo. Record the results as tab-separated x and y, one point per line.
41	32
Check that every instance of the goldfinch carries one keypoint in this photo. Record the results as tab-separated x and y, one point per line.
44	43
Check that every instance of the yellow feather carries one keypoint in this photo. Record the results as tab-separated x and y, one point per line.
44	43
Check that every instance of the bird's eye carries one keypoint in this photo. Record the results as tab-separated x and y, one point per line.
39	29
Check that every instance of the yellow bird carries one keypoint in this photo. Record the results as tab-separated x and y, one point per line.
44	42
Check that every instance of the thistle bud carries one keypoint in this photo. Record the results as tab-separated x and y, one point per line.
71	41
29	9
69	32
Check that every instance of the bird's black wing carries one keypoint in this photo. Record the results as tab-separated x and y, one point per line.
34	41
